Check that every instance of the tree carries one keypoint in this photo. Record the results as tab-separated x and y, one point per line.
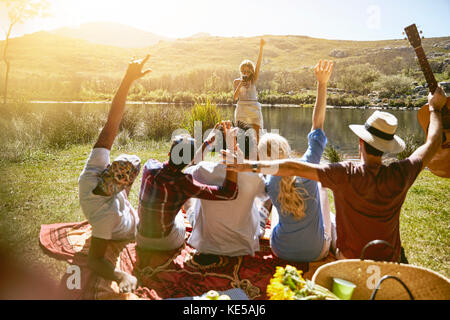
19	11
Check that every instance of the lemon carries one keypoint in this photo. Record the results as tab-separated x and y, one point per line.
212	295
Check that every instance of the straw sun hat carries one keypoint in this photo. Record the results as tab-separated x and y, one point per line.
379	132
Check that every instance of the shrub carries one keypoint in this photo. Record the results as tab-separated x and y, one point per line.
331	154
160	121
207	113
69	128
132	119
389	86
358	78
412	143
123	138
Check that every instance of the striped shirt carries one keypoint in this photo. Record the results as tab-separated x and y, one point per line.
164	190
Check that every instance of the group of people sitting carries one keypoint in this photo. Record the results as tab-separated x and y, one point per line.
228	202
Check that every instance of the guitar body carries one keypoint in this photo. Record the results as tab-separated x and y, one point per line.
440	164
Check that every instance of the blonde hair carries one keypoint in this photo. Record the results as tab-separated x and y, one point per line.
249	64
272	146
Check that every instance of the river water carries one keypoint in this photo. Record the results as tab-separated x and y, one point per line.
294	123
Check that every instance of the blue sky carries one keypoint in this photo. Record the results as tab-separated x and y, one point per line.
345	19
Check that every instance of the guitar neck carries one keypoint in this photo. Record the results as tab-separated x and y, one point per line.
426	69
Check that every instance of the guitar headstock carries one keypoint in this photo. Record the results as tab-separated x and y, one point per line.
413	36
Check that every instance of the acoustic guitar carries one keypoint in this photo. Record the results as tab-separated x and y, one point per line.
440	164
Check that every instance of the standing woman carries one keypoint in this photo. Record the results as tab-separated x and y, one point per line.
248	108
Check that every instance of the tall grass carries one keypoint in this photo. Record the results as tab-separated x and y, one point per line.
206	113
331	154
26	129
412	142
161	121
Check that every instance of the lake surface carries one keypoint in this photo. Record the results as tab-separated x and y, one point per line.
294	123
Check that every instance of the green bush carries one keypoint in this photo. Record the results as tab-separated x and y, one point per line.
389	86
69	128
132	120
159	122
412	143
331	154
207	113
358	78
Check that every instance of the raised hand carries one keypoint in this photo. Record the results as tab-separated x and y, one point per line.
323	71
262	42
134	70
211	138
437	100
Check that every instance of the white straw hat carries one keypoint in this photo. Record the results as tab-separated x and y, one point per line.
379	132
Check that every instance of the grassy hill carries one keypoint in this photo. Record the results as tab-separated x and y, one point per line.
51	66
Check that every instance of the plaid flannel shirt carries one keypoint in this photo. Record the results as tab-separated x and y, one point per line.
164	190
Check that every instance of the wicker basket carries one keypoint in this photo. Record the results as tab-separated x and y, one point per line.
423	284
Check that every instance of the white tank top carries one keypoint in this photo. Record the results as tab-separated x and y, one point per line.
248	94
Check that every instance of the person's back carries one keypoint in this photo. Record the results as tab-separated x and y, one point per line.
228	228
160	198
369	198
299	234
112	217
298	239
165	189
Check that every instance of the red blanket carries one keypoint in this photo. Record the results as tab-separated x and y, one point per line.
161	274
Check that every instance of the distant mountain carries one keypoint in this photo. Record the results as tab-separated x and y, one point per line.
200	35
111	33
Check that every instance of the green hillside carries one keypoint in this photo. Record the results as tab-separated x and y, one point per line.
49	66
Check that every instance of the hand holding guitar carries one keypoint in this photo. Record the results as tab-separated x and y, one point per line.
437	100
440	163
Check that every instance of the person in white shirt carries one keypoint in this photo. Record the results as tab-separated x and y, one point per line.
104	188
229	228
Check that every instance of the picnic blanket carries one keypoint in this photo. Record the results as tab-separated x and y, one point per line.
161	274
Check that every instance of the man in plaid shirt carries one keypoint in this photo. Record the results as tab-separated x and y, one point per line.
164	190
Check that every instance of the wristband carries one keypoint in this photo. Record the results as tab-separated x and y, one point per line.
208	146
264	211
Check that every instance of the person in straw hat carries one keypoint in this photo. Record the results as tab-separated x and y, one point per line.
104	188
369	195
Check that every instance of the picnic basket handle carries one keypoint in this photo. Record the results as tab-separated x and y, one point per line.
374	242
374	293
